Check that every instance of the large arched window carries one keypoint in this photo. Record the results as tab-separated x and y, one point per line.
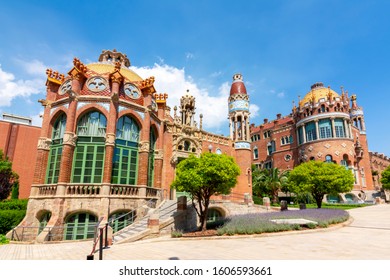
88	161
54	161
152	139
125	161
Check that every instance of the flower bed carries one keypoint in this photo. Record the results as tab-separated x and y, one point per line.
261	223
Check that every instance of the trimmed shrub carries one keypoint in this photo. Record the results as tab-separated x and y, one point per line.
14	204
10	219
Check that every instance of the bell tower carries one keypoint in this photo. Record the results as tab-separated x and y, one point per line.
239	111
240	135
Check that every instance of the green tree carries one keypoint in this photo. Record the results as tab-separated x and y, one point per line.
7	177
320	178
268	182
205	176
385	180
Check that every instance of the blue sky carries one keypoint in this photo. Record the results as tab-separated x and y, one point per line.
280	47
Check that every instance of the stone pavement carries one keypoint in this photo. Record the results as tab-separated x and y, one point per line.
367	237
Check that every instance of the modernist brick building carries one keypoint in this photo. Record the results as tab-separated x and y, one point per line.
18	141
109	144
325	126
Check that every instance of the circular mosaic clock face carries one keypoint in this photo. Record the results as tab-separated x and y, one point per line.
131	91
65	87
97	84
287	157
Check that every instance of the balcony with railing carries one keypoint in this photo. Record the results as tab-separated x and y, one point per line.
76	190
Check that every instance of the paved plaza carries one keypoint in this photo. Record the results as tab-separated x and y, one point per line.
365	238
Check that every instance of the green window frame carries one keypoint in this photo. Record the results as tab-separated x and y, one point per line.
125	165
80	226
125	160
54	160
88	159
88	163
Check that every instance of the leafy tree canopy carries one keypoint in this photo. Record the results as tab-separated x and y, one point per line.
210	174
7	177
385	180
320	178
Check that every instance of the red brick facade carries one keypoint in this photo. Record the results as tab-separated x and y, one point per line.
324	126
19	144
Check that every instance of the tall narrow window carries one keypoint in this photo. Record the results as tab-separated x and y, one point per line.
339	128
125	161
152	140
54	160
325	128
88	161
311	134
255	153
300	135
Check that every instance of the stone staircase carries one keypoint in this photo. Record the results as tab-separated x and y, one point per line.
139	229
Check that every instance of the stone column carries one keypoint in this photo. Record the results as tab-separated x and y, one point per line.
242	127
346	129
144	148
304	133
248	132
317	128
111	129
333	127
231	128
69	140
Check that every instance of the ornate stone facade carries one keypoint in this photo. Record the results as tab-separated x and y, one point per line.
109	145
325	126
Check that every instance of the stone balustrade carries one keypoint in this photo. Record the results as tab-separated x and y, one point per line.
93	191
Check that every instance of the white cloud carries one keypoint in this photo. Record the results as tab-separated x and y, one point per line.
171	80
35	67
11	88
280	94
254	110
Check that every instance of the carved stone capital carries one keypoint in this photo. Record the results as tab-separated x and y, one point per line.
69	139
144	146
158	154
44	143
110	139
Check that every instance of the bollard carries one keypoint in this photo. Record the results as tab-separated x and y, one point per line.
267	202
283	205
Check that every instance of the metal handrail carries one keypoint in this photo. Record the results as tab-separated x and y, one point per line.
148	203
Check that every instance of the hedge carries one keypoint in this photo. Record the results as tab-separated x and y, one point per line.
14	204
10	219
